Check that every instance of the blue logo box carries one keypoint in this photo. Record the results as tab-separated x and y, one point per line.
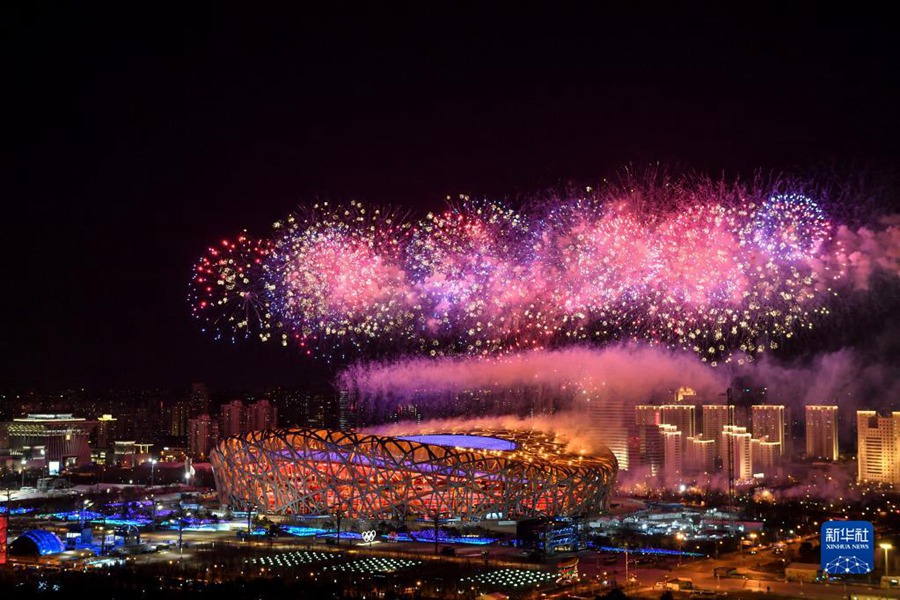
848	547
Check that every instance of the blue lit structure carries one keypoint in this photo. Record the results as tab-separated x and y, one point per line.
550	534
298	531
656	551
462	440
77	515
442	538
88	516
36	542
16	511
345	535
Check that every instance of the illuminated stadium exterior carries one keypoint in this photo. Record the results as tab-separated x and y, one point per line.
484	474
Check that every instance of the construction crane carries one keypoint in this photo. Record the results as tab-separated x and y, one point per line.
730	413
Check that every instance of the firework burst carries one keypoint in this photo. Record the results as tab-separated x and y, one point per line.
229	289
470	266
336	277
790	227
712	267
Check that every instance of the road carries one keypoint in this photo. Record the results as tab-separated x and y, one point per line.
769	583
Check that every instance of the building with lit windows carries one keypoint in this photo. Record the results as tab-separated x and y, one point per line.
682	416
51	441
714	418
768	421
673	453
764	455
203	432
261	414
609	420
821	432
646	414
648	449
738	441
105	432
232	418
198	402
699	455
236	417
878	447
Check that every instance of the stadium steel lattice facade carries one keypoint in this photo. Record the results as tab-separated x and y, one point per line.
500	474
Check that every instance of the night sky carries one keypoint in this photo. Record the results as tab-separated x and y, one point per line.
134	139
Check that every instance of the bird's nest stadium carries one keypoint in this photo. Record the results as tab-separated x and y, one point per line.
478	474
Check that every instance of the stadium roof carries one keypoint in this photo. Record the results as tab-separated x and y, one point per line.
459	440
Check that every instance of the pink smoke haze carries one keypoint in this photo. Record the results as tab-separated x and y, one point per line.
569	428
864	254
629	371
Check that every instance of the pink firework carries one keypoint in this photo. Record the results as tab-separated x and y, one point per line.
713	267
470	267
337	275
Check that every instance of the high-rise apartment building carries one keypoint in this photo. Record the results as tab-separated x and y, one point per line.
764	455
232	418
106	431
238	418
878	447
199	400
648	450
741	456
673	453
699	455
821	432
347	417
768	421
682	416
203	434
646	414
261	415
714	418
610	422
175	418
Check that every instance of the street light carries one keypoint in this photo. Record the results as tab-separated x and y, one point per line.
84	506
680	537
152	470
885	546
626	563
181	518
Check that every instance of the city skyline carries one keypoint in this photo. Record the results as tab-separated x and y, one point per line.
818	432
651	451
